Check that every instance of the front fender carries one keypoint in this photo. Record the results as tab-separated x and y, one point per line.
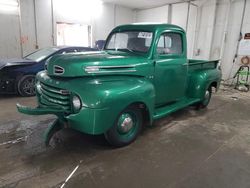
103	98
114	95
122	92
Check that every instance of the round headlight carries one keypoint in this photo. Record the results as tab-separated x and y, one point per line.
77	104
38	87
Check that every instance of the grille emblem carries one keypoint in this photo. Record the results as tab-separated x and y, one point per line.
58	69
64	92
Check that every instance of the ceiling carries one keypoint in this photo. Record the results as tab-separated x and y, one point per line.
142	4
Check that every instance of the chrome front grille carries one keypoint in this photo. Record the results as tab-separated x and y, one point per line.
58	70
55	97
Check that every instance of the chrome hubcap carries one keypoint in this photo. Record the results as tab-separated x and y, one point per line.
126	123
207	94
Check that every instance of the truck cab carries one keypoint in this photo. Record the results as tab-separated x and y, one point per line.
141	75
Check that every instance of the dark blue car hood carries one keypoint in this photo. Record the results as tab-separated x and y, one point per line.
15	62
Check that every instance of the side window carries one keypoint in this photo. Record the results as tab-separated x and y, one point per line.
170	43
160	45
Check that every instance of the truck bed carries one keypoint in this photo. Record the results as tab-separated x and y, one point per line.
195	64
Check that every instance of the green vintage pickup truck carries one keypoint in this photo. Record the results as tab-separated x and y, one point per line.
141	75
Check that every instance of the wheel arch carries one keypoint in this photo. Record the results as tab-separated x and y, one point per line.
200	81
112	96
214	85
146	113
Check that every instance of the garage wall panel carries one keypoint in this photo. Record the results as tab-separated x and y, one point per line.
179	14
205	28
44	23
104	23
123	15
246	21
28	35
9	36
74	11
191	30
10	29
111	16
232	37
219	29
159	14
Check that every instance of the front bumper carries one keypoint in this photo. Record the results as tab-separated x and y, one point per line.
38	110
55	97
88	120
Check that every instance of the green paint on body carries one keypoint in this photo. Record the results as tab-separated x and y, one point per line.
109	81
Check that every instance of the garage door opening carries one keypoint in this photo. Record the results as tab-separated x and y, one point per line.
69	34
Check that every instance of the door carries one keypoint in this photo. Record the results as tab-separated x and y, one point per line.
170	77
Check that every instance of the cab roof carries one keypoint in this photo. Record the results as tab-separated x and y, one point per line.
147	27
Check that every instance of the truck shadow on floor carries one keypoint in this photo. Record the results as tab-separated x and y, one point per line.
68	138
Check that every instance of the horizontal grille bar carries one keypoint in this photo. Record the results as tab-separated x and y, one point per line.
55	97
53	89
55	101
51	94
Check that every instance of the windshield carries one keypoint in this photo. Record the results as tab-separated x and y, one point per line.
41	54
132	41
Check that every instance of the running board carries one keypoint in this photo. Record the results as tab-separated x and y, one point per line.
163	111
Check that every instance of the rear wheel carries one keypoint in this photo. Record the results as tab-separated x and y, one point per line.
126	127
26	86
206	99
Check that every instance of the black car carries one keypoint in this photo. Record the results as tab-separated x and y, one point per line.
18	75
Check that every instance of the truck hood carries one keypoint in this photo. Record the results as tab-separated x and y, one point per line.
15	62
97	63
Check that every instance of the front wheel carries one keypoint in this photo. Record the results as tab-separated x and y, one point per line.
206	99
126	127
26	86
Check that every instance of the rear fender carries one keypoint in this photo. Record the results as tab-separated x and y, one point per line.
199	82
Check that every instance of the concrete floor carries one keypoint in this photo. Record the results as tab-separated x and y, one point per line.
207	148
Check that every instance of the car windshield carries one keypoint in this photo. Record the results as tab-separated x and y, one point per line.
41	54
131	41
